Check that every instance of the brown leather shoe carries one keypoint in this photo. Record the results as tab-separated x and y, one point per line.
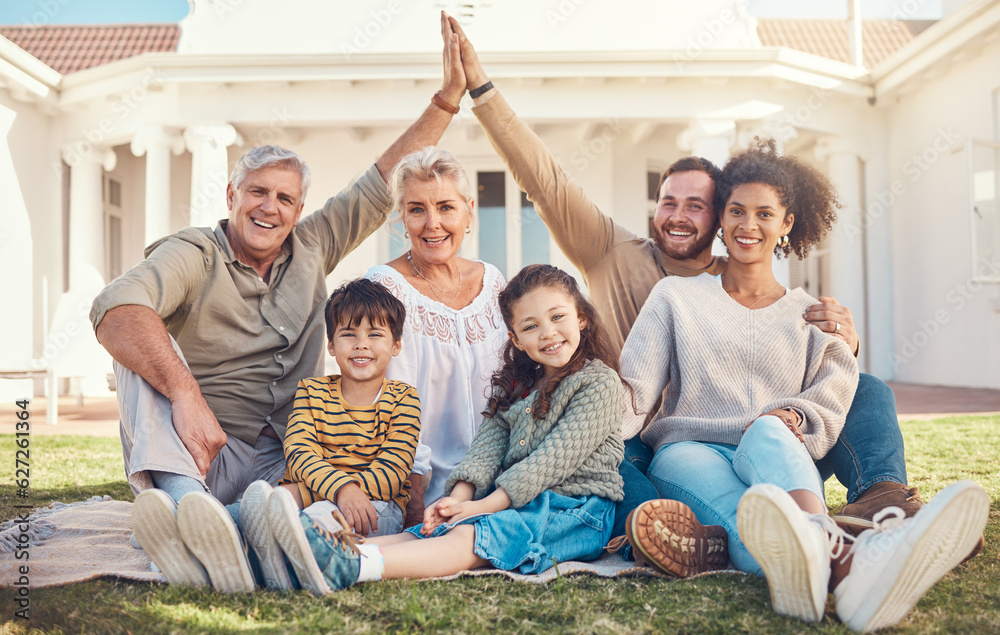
857	516
666	535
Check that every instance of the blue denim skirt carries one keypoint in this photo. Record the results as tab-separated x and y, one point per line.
551	528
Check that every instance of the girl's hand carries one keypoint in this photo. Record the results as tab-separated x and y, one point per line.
453	86
789	417
433	516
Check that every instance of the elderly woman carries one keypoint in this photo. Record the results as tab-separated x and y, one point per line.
453	329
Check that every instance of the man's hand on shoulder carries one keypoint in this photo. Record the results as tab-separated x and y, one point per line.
834	318
198	428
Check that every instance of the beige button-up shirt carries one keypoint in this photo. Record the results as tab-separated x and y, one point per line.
246	341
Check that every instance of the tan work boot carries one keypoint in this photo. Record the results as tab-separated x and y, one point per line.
666	535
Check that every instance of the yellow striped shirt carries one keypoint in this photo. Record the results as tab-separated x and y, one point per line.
330	443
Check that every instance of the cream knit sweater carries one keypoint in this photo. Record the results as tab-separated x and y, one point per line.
719	366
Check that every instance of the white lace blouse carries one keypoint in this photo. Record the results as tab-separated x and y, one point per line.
449	355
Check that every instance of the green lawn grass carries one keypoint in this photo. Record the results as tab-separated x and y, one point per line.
72	468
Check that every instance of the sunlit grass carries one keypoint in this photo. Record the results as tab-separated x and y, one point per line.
73	468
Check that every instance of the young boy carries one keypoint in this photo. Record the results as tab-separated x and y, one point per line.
350	440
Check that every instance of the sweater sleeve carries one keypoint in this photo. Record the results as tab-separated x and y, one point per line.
304	452
581	230
827	392
592	413
484	459
392	464
645	360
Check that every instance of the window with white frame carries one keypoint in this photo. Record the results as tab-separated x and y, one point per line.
984	198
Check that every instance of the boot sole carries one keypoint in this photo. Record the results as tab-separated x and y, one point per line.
666	535
154	522
947	540
257	530
210	533
283	516
770	527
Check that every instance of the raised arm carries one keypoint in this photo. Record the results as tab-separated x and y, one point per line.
427	130
582	232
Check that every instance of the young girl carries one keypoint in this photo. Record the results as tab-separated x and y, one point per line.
541	478
755	396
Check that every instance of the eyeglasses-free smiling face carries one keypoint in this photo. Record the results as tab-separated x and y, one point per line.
753	221
262	212
363	351
684	223
547	327
435	215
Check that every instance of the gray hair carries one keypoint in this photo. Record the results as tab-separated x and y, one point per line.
429	163
260	157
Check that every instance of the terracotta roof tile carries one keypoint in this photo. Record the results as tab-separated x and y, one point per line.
828	38
72	48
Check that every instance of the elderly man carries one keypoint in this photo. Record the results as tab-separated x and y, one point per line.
212	332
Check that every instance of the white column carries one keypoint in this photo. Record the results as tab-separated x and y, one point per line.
86	218
71	348
846	241
17	322
710	139
209	171
157	143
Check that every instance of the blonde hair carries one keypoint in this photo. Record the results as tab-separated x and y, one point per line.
424	165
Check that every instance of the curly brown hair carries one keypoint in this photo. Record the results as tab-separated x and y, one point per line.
518	374
802	190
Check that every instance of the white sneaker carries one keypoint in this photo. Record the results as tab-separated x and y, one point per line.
898	560
154	522
257	531
210	533
283	515
793	549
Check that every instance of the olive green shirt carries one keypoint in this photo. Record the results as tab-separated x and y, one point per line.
619	267
248	342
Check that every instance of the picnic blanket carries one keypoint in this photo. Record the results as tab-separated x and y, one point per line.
87	540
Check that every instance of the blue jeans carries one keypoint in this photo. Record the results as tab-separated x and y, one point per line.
870	447
710	478
869	450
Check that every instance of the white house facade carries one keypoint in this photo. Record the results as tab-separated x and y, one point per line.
96	164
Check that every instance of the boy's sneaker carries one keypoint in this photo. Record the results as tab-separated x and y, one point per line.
154	522
257	531
895	562
210	533
793	549
323	561
859	515
666	535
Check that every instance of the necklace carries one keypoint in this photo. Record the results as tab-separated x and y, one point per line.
767	295
434	287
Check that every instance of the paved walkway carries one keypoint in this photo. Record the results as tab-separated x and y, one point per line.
99	416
